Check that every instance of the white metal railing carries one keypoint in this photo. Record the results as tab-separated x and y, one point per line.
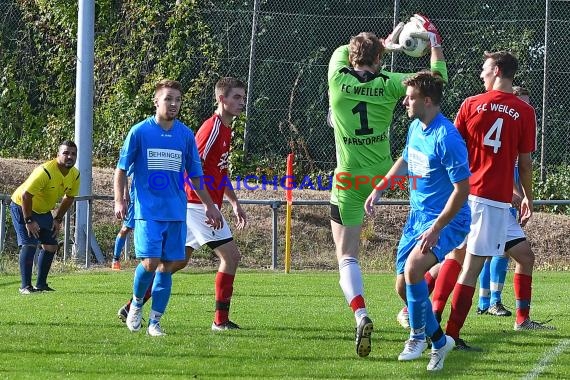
275	204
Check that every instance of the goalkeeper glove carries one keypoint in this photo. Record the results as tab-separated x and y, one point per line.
430	34
391	42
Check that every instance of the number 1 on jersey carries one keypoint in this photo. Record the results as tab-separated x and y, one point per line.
361	110
495	141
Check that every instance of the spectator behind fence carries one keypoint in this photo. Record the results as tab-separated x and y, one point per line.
31	209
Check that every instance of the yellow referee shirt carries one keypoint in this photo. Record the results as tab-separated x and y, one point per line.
48	185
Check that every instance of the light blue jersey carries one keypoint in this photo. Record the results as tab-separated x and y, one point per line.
159	159
437	158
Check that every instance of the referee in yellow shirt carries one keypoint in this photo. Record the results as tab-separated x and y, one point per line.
31	209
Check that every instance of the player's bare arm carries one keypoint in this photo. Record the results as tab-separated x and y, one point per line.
400	168
525	174
236	206
126	195
517	197
33	227
65	204
119	185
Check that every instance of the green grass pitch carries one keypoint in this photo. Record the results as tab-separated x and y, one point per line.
295	325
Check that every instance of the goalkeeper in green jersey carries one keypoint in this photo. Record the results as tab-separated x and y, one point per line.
362	100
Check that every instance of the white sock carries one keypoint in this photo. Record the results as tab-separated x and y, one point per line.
359	314
350	278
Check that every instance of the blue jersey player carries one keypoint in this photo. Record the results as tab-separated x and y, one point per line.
160	149
435	159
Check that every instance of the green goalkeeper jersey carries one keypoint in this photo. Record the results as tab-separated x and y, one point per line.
362	110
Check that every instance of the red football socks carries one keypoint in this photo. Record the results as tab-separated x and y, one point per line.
446	280
522	284
223	293
460	305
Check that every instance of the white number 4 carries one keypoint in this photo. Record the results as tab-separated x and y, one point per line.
496	130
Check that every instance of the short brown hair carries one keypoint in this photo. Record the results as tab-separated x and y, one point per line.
429	85
364	48
168	83
520	91
226	84
505	61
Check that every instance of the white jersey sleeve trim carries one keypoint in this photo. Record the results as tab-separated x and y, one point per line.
212	138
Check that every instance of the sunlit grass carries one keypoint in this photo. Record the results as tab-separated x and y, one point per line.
294	325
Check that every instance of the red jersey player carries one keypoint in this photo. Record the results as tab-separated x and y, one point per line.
213	141
498	128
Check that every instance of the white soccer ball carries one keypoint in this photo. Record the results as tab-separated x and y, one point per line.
413	46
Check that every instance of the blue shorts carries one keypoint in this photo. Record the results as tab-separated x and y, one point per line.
45	221
129	221
162	240
450	237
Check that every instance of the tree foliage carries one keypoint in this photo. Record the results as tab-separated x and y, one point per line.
137	43
197	41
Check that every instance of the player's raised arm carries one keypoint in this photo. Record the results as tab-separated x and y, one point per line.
339	59
431	34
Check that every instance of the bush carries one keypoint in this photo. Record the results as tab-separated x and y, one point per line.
556	186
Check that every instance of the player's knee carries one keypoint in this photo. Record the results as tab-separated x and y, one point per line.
175	266
230	259
414	268
400	288
229	253
413	275
523	255
434	270
50	248
151	265
236	257
458	255
527	259
188	254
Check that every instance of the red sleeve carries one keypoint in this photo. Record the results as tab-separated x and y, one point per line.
202	137
460	120
528	141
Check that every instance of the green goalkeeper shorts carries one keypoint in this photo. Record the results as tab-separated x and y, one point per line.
350	189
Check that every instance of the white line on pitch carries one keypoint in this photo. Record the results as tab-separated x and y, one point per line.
545	361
